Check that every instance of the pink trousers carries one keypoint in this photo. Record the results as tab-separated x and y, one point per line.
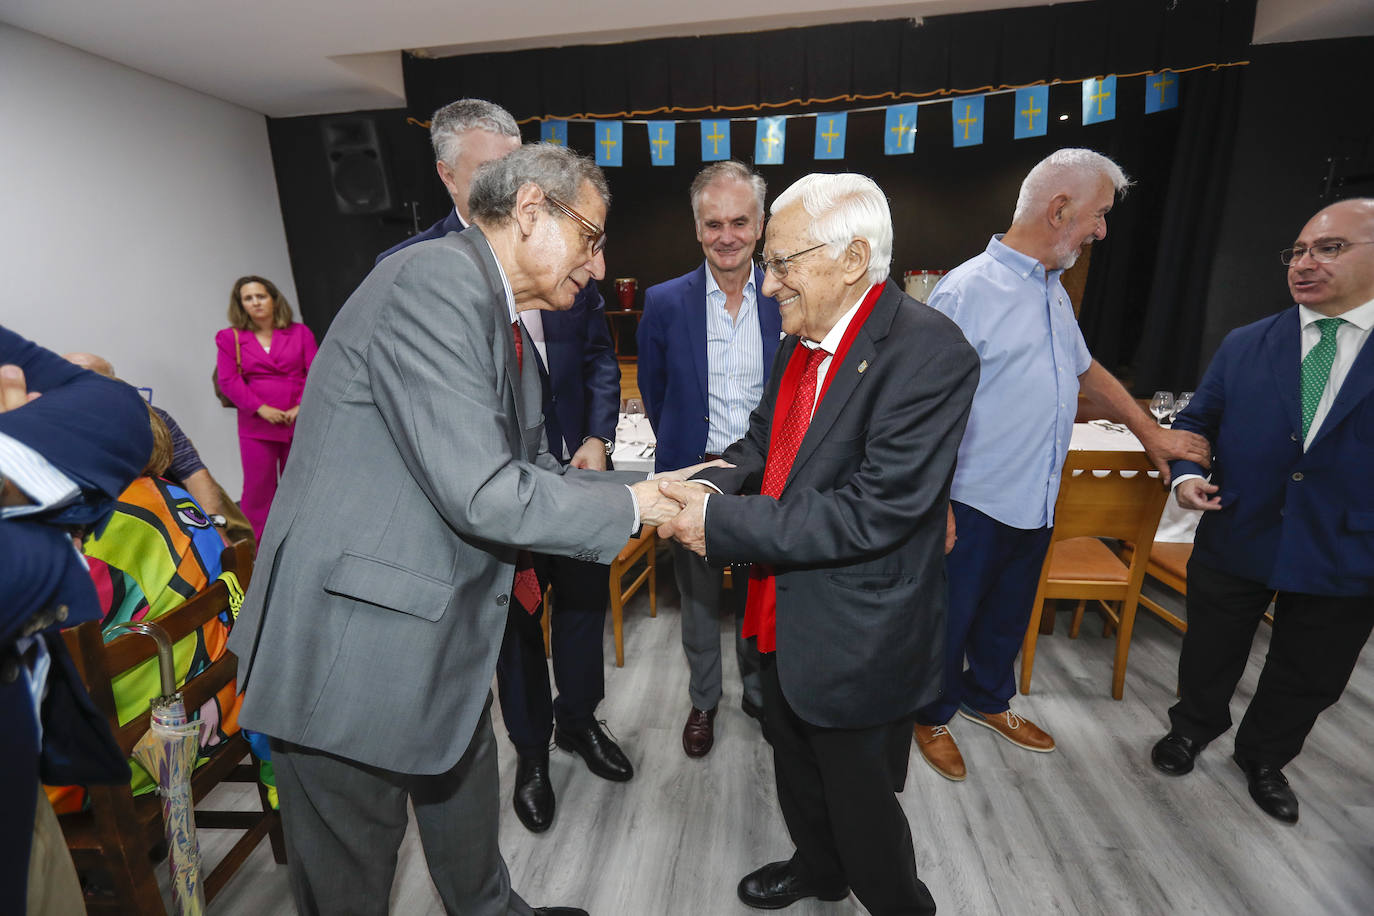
263	461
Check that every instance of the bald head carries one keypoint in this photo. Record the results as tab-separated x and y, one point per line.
1347	280
97	364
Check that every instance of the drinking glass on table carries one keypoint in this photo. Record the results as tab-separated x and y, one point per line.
1162	405
1180	403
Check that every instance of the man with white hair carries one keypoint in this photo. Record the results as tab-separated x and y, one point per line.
847	462
1012	307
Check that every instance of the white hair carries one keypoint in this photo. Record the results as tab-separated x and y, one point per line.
842	208
448	125
1064	171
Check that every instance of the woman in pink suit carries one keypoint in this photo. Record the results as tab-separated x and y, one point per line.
263	358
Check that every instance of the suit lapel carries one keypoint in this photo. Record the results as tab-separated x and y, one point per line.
524	384
770	323
1283	348
696	328
845	378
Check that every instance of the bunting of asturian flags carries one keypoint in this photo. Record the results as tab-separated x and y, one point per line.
1030	118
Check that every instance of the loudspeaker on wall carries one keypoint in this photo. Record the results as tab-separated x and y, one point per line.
357	166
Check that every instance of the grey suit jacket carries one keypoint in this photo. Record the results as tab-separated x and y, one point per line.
379	598
857	537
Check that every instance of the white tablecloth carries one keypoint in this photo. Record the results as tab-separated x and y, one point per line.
1176	524
634	444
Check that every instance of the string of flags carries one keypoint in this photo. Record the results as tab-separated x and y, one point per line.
1030	114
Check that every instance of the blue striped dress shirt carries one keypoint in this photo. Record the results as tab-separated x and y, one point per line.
734	361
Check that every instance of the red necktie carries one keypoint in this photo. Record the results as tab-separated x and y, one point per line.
794	427
526	589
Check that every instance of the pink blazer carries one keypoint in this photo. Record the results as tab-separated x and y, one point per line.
275	378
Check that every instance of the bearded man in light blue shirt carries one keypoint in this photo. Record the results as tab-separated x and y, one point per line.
1012	307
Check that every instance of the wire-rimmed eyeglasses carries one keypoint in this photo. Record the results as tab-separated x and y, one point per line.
1324	253
779	266
595	235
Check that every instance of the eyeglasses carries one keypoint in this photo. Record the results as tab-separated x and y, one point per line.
779	265
1324	253
595	235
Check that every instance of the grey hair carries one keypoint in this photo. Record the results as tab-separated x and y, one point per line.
448	124
729	169
1065	170
554	168
842	208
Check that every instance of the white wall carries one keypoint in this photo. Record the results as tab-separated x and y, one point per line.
128	207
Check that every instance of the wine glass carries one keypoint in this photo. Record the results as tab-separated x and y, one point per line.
1162	405
1180	404
633	409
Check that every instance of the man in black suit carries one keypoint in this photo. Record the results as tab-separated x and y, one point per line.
847	465
581	385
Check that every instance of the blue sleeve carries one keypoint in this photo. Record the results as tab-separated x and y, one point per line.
652	358
600	370
1203	413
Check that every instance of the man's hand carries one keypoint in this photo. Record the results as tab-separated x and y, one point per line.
1165	445
688	472
14	391
1196	493
950	535
591	456
654	507
689	527
273	415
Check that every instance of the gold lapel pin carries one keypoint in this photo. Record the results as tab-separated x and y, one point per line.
862	366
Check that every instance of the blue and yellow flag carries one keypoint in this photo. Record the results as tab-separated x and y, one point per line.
715	140
1032	112
968	120
555	132
1099	100
1161	91
899	138
608	142
830	130
770	136
662	142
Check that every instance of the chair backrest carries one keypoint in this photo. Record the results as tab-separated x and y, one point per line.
1124	502
99	662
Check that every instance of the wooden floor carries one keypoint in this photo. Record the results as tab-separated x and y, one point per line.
1091	828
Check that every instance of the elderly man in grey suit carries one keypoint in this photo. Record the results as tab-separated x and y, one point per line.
419	476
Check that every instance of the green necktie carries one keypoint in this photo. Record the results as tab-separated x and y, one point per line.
1316	368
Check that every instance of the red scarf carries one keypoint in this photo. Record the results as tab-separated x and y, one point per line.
760	611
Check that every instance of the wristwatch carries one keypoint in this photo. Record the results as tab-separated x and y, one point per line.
608	443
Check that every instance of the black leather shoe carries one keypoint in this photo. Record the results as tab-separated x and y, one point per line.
558	911
776	885
1269	788
700	732
603	756
533	799
1174	754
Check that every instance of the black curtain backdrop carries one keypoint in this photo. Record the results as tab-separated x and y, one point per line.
946	202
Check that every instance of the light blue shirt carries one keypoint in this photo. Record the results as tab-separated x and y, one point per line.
1021	322
48	487
734	365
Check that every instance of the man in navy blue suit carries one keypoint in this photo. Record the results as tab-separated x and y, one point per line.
706	343
1288	403
70	441
581	380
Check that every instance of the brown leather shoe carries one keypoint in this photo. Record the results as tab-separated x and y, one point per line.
700	732
1020	732
937	746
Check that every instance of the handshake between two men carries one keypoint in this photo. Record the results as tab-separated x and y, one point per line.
676	504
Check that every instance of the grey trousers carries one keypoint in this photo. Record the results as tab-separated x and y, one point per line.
702	600
344	822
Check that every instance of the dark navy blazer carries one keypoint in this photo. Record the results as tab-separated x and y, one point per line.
1294	520
673	368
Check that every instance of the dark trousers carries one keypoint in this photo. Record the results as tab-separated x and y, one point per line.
576	639
993	572
835	788
344	822
1312	652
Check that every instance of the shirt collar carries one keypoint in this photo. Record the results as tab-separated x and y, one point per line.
831	343
458	216
1020	263
712	287
505	283
1361	316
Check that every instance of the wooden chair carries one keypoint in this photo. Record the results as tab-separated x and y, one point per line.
639	549
1080	566
1169	566
117	835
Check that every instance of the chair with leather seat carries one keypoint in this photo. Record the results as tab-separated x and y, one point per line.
1103	494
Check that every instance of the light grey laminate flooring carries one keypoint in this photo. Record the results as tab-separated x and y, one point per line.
1091	828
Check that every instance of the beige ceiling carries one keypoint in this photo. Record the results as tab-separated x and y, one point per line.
294	57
